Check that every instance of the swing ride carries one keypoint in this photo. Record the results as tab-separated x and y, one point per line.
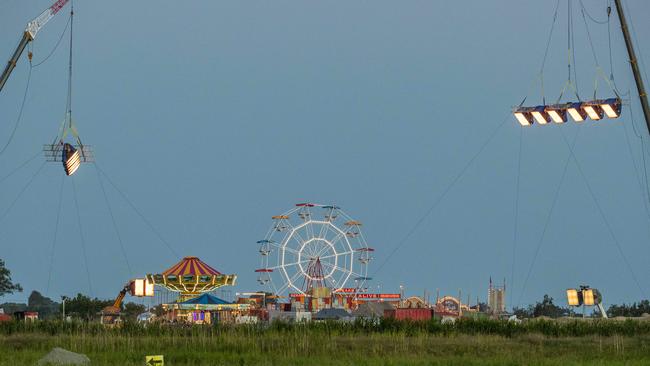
191	277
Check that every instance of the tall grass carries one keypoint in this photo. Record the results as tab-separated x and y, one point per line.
386	342
468	326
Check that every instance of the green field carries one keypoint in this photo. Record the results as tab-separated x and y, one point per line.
388	343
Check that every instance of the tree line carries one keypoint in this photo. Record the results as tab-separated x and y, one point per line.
87	308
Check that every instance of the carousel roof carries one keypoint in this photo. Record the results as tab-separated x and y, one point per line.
192	266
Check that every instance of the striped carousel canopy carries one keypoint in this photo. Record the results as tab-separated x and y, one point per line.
191	266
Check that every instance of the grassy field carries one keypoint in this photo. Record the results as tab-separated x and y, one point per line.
472	343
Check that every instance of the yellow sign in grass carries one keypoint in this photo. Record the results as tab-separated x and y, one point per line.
157	360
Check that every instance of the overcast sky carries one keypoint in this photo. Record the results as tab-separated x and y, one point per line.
212	116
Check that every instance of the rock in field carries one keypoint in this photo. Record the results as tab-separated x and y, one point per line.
60	356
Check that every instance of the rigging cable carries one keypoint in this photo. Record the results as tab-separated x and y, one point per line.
29	182
643	187
56	232
438	200
516	218
592	18
117	232
23	164
69	101
572	50
599	70
602	214
609	45
548	44
547	221
81	236
135	209
20	113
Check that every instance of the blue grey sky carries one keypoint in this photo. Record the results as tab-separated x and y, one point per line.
212	116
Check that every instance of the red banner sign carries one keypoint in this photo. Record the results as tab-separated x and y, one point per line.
347	290
378	296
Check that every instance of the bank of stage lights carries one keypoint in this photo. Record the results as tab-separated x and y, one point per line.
580	111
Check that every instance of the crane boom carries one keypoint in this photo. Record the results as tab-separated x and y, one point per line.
29	35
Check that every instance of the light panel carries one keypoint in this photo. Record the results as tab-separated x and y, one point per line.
557	113
588	297
576	112
71	159
524	116
611	107
540	115
572	297
593	111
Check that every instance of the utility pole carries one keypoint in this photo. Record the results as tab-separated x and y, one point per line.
643	97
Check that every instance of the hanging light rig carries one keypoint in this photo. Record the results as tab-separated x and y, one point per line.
579	111
67	147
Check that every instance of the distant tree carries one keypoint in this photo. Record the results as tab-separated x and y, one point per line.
158	310
523	313
12	307
44	305
6	286
632	310
547	308
84	307
131	310
481	307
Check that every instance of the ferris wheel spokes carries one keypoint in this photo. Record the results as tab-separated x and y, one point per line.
318	249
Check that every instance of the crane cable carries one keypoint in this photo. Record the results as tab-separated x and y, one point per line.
56	46
29	78
20	112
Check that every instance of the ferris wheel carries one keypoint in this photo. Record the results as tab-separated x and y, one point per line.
313	246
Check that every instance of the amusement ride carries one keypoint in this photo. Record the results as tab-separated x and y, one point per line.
313	246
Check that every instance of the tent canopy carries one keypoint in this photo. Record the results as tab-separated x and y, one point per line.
206	299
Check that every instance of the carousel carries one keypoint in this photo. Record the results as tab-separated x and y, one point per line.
194	280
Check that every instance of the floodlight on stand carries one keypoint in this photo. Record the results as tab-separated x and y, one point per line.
557	112
593	110
574	297
524	116
540	115
576	112
611	107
